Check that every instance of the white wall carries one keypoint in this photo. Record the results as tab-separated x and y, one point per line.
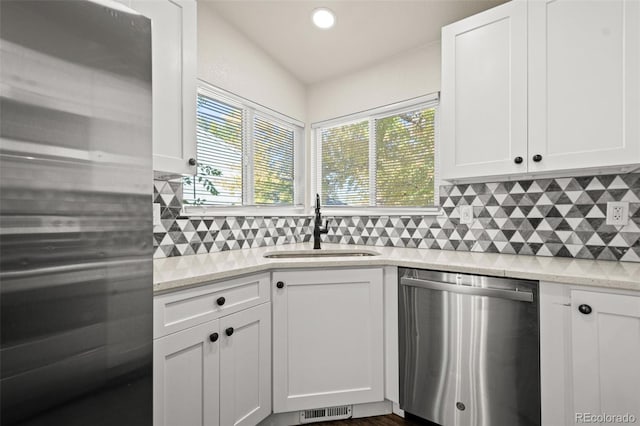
404	76
407	75
229	60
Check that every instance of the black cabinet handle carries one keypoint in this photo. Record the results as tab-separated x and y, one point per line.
280	284
229	331
192	161
518	160
213	337
221	301
585	309
537	158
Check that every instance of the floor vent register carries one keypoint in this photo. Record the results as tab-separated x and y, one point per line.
324	414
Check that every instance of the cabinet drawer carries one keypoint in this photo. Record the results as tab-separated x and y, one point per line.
177	311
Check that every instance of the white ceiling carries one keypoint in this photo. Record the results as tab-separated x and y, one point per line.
366	31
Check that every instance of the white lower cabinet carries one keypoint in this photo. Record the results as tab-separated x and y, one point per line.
590	352
245	366
217	372
186	377
606	354
328	338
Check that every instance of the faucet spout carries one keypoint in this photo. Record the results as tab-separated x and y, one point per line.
317	227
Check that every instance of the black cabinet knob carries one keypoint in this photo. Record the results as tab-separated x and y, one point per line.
585	309
192	161
280	284
518	160
537	158
213	337
221	301
229	331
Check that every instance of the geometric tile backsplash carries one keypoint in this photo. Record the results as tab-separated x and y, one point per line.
178	236
545	217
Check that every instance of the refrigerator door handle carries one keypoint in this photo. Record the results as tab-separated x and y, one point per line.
519	295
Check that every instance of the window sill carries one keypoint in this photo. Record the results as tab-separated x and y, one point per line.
381	211
251	211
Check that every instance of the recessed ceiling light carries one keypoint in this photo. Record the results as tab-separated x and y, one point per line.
323	18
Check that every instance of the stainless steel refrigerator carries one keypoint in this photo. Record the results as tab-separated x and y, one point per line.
75	214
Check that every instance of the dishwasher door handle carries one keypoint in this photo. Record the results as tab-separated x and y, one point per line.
521	296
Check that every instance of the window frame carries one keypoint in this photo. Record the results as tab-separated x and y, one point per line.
422	102
250	110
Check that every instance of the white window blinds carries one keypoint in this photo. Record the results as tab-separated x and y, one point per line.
345	164
405	159
245	157
273	162
384	160
219	149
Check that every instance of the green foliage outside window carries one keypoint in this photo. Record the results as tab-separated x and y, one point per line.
404	155
405	159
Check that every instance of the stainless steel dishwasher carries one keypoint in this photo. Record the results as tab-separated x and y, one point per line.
469	349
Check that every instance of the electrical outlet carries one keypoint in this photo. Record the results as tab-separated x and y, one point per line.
466	214
617	212
156	214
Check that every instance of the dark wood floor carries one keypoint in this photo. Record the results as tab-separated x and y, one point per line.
388	420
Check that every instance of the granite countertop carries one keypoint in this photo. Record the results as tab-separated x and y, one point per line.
175	273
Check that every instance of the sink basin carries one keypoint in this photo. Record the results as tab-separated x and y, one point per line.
319	253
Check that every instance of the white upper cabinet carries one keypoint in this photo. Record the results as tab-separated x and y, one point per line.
541	86
174	47
584	83
484	93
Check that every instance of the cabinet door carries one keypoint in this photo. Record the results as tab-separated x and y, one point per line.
328	338
606	354
584	81
185	376
245	366
174	38
484	93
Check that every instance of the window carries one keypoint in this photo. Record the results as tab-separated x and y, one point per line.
247	155
380	159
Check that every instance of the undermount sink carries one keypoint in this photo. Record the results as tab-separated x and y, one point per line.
319	253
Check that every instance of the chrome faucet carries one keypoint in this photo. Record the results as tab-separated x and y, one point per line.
317	228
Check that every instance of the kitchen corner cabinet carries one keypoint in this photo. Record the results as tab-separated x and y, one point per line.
541	86
590	347
328	338
212	354
174	57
